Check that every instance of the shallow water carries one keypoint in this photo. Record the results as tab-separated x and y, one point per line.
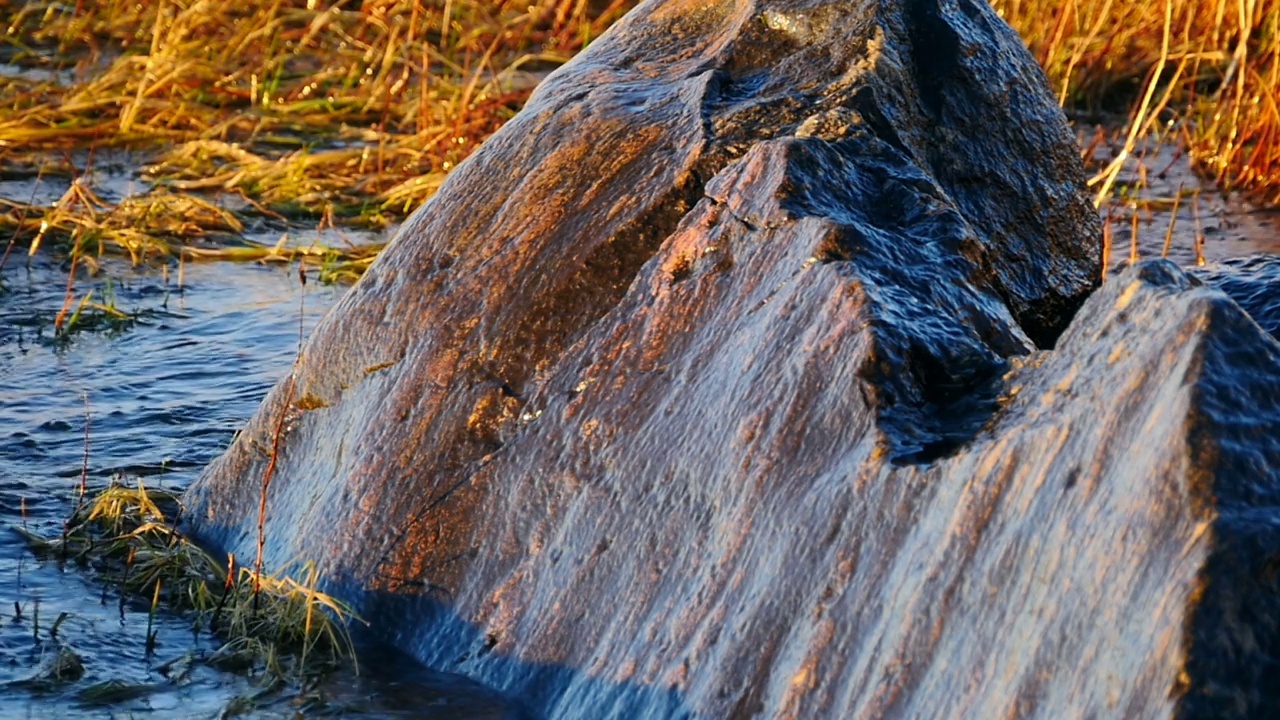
1223	227
163	394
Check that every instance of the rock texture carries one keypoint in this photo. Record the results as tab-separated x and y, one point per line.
729	380
1254	283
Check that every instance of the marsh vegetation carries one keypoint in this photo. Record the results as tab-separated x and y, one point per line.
335	114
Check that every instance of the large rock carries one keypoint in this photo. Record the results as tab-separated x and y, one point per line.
710	387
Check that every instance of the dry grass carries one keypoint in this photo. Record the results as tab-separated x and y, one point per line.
1204	73
326	112
341	112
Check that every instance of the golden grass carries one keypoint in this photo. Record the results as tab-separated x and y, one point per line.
348	112
277	623
353	113
1205	73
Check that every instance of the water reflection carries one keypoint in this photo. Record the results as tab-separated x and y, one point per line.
1222	227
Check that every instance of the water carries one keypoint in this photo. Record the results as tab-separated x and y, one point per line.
163	394
1226	227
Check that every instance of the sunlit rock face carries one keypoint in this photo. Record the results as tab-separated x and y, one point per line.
730	379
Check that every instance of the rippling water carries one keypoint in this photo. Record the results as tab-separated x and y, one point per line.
163	394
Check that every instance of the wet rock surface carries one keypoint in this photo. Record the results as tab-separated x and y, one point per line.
730	379
1254	283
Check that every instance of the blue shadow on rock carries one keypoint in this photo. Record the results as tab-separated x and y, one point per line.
534	691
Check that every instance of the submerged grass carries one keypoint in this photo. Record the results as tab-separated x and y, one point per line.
346	113
278	624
